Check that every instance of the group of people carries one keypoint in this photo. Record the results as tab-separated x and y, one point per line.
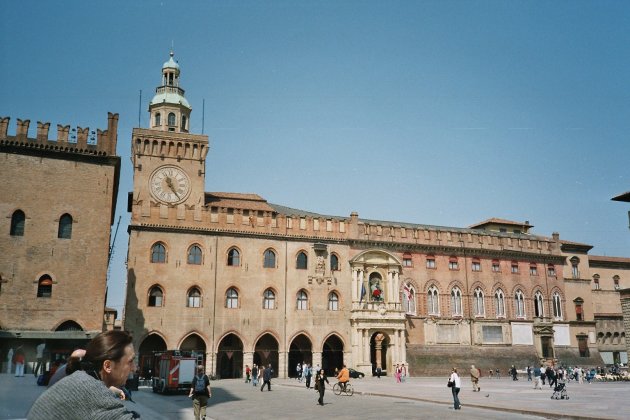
400	372
304	372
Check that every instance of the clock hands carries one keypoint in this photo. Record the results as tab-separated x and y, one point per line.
169	183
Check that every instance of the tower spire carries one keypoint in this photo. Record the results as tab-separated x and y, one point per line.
169	109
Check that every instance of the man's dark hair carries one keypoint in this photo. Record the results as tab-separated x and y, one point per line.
109	345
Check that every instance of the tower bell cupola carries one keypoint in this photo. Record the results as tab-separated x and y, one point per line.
169	109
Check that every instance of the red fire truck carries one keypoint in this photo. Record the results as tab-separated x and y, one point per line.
173	371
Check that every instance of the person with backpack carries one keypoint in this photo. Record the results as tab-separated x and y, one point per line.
200	392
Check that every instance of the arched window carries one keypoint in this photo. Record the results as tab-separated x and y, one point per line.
334	262
234	258
18	220
44	287
579	313
409	299
519	304
269	259
171	119
65	227
158	253
269	299
158	119
302	301
156	296
333	301
533	269
183	123
575	271
456	301
433	301
538	305
557	306
194	298
478	305
194	255
499	303
301	261
231	298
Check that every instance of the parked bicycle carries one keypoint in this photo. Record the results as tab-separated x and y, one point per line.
339	389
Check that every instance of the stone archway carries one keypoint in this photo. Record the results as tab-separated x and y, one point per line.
332	355
197	346
300	351
266	352
230	357
379	342
146	359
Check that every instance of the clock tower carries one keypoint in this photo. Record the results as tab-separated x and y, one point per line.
168	161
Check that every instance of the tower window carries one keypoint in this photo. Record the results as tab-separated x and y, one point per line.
158	119
183	123
44	287
194	255
234	258
156	296
158	253
18	220
269	259
65	227
171	120
334	262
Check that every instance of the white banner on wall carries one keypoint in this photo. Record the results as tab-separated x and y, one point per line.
561	336
522	334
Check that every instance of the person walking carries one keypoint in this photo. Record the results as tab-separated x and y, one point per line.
19	361
513	372
320	381
308	373
529	373
378	372
9	360
537	377
397	373
455	383
267	378
474	378
200	392
248	372
298	372
40	359
254	375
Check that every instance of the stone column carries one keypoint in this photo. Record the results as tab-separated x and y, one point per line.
396	287
378	354
248	359
365	346
355	287
403	347
282	364
317	359
390	280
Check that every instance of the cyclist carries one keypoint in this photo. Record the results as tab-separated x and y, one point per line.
343	377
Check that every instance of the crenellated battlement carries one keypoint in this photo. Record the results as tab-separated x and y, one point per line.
79	140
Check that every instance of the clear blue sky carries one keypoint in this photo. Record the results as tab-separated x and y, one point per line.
434	112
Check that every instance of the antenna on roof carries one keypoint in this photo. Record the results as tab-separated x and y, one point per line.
139	107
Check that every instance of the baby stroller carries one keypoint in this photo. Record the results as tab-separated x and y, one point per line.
560	391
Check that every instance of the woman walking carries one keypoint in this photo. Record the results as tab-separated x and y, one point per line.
455	383
320	381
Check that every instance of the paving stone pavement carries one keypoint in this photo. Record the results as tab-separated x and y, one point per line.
416	398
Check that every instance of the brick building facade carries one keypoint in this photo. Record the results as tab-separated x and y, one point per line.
58	199
242	281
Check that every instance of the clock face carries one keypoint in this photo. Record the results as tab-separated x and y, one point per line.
169	184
